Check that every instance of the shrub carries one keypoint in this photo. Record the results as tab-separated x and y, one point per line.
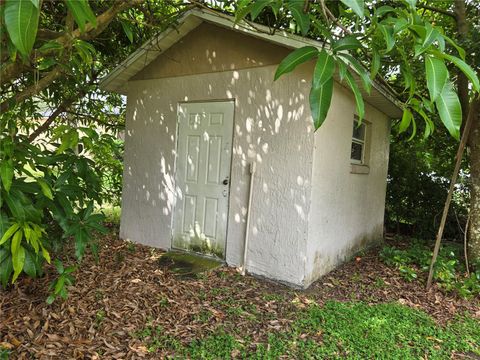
47	198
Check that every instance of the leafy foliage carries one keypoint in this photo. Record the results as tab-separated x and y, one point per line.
351	31
449	270
418	184
60	151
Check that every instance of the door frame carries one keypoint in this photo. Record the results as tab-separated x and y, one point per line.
175	164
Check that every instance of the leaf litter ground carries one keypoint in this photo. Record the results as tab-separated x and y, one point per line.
131	305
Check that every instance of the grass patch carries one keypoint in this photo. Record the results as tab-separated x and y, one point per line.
353	330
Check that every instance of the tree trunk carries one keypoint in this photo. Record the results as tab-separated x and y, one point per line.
474	227
473	142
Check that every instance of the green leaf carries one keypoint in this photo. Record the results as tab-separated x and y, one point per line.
8	234
6	174
294	59
46	190
15	206
21	21
342	69
59	285
243	8
449	109
69	140
320	99
302	19
127	29
358	95
375	66
460	50
465	68
349	42
50	45
6	266
419	31
360	70
85	50
18	260
258	6
82	13
59	266
399	24
412	3
430	36
323	69
81	240
16	240
437	76
387	32
30	266
382	10
46	63
406	120
45	254
356	5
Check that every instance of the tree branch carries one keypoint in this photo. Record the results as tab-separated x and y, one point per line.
46	34
51	119
437	10
64	106
15	69
32	89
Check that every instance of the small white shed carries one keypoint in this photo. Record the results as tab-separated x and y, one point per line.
202	107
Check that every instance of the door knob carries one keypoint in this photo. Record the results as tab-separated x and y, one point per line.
225	182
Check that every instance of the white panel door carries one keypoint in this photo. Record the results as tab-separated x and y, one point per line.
202	177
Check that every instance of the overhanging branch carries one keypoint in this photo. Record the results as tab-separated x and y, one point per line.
15	69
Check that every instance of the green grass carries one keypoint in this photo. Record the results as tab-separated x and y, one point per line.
353	330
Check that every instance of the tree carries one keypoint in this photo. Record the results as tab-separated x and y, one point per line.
403	41
52	56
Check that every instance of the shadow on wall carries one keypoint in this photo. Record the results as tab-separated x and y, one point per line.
272	127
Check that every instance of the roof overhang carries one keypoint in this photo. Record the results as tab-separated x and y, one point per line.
381	96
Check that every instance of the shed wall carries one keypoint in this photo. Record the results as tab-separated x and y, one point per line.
347	209
272	128
210	48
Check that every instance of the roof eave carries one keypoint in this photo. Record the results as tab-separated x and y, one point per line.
117	79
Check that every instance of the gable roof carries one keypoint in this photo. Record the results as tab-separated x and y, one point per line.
381	97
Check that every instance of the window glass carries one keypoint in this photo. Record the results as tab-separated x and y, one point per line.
358	142
357	152
358	131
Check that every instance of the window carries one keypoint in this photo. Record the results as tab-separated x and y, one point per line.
358	143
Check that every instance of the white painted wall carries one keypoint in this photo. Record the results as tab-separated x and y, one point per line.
347	209
271	128
299	231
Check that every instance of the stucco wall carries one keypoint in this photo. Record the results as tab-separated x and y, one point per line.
271	128
210	48
347	209
298	231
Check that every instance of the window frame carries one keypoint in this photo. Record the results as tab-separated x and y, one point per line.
362	142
